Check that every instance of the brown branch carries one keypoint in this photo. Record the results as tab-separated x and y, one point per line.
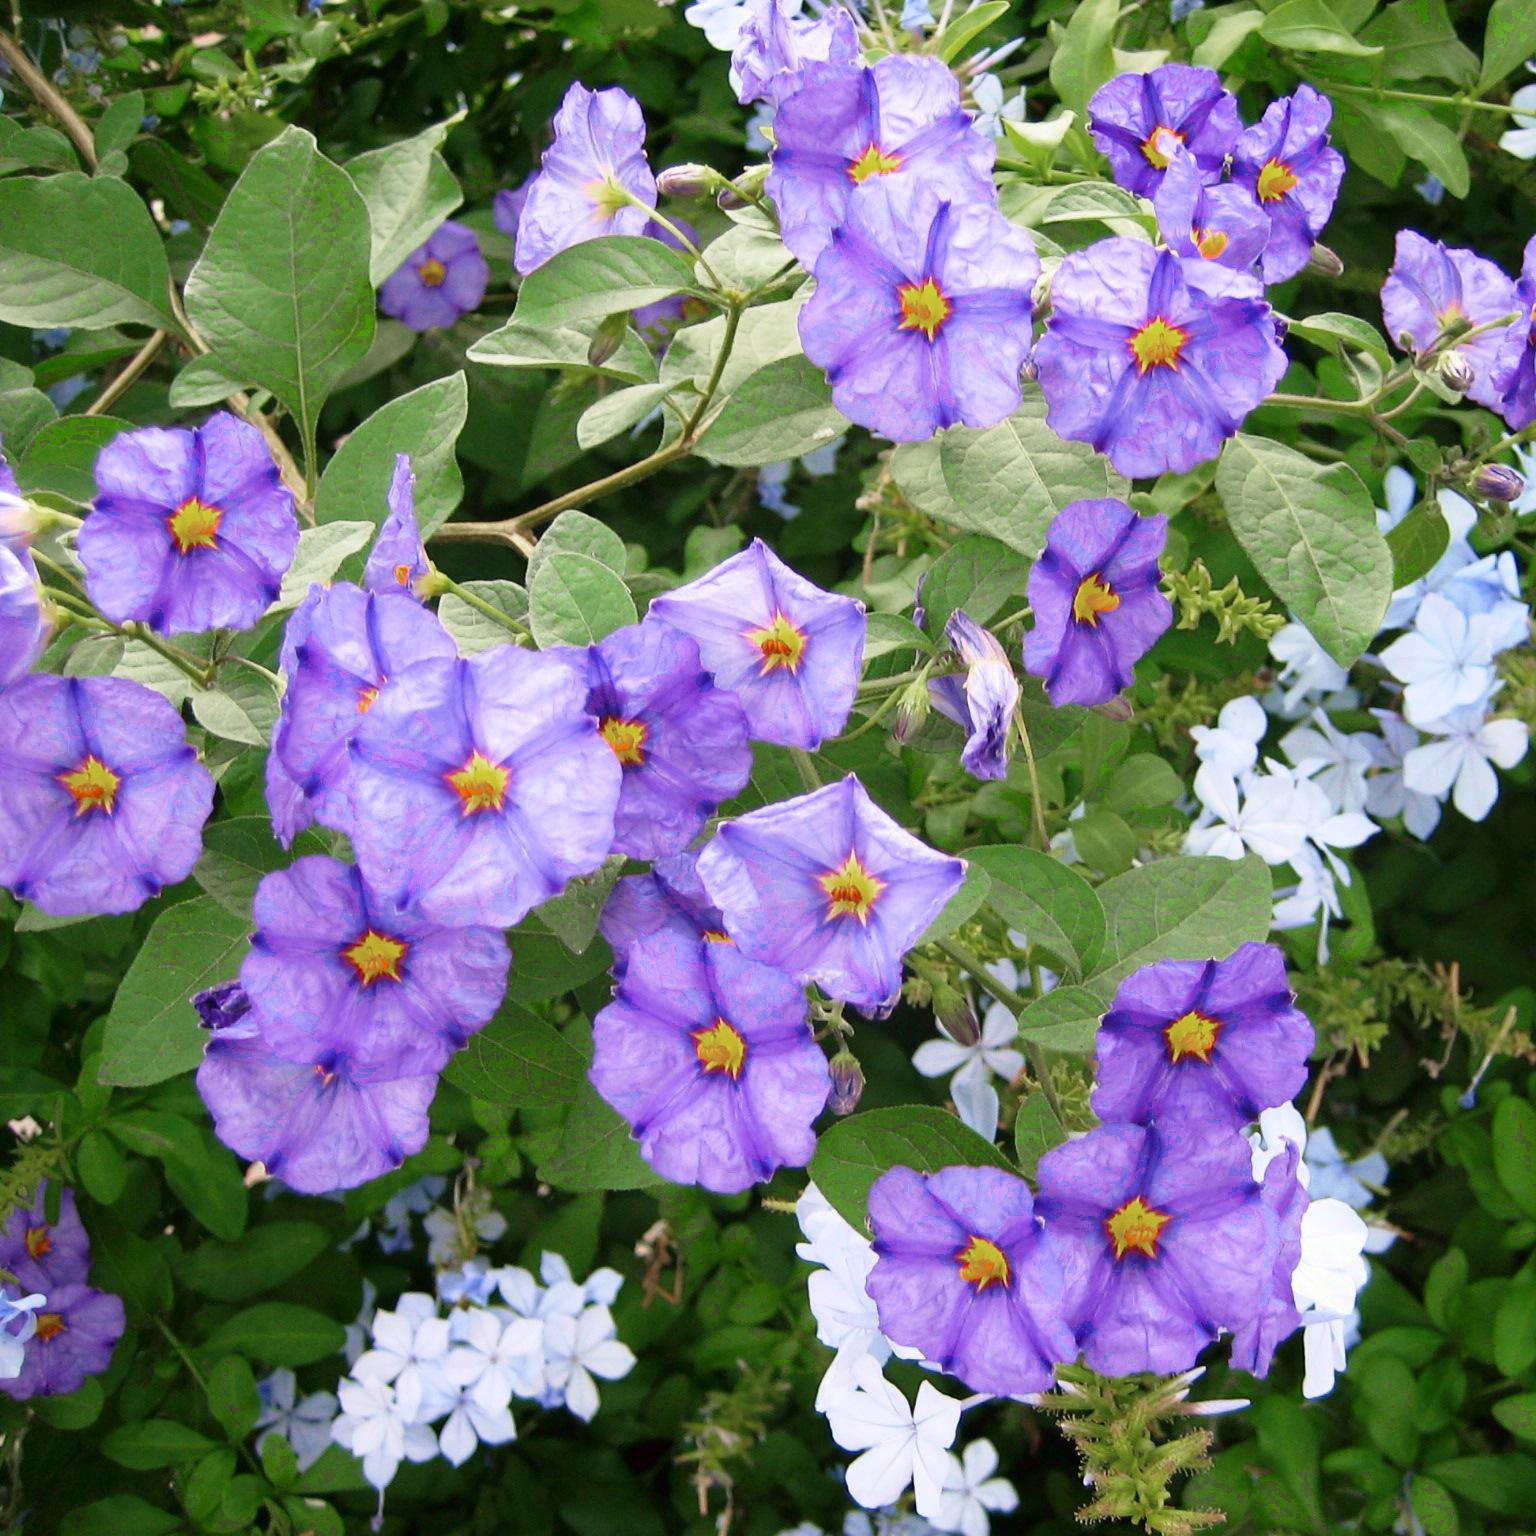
130	375
46	95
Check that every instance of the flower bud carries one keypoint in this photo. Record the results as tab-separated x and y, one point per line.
1456	371
1324	263
1118	708
607	338
956	1016
221	1009
1498	482
687	181
1030	372
911	711
847	1083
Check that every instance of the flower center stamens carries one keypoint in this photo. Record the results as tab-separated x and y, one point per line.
1094	596
50	1325
480	784
1159	145
1135	1226
720	1048
983	1263
781	642
1192	1034
1158	344
1275	180
39	1241
873	162
432	273
851	890
1209	242
627	738
375	957
924	307
195	525
93	785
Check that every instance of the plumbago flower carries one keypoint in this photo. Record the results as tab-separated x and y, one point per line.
710	1059
1221	223
594	179
681	741
972	1491
305	1423
102	799
439	281
1287	163
1154	358
1514	367
1097	607
828	887
1461	762
963	1273
480	787
670	898
398	560
922	314
847	130
191	530
790	652
1214	1041
981	700
775	45
1134	117
1444	662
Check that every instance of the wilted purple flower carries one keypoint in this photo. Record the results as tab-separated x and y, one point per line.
330	955
1254	1344
224	1009
1432	287
922	315
45	1255
829	888
438	281
398	559
102	800
670	898
1213	1040
789	651
1097	607
681	741
589	175
480	787
1221	223
192	530
23	626
77	1330
1134	116
341	649
1154	358
982	700
1514	368
963	1273
774	48
710	1059
1286	161
1164	1239
847	129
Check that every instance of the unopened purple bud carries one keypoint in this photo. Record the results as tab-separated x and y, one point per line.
1456	371
223	1009
956	1016
1498	482
1030	371
1323	262
686	181
911	711
847	1083
1118	708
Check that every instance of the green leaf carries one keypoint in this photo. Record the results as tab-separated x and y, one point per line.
576	600
1310	26
1505	1484
237	853
782	411
261	1260
278	1333
519	1059
1335	332
61	457
599	278
1065	1019
472	630
121	1514
1311	531
1435	1508
242	708
1035	1131
617	412
204	381
321	554
424	424
232	1394
1419	40
102	1168
1085	53
962	906
596	1150
201	1171
42	149
120	124
1518	1414
517	345
24	413
578	534
1509	39
854	1152
154	1443
977	574
80	251
1514	1151
1052	904
73	1410
409	191
964	28
187	188
545	968
152	1032
1514	1324
1227	33
573	916
281	291
1423	137
1417	543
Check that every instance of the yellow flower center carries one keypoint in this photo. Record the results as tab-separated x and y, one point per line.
50	1325
924	307
720	1048
715	936
480	784
851	889
983	1263
1275	180
375	957
1450	314
627	738
608	196
1192	1034
195	525
1157	344
432	272
93	785
1209	242
39	1241
1158	146
1094	596
1136	1225
873	162
366	699
781	642
402	575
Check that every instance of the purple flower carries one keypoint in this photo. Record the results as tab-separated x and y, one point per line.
847	129
224	1009
438	281
192	530
1287	163
398	560
1153	358
922	315
1132	115
102	800
1164	1238
1254	1344
340	651
790	652
710	1059
328	1122
45	1255
774	48
1514	368
982	701
1097	607
507	206
1432	287
24	628
1214	1040
480	787
330	956
77	1330
589	175
828	887
670	898
1220	223
681	741
963	1274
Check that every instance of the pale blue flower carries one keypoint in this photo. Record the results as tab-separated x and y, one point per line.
1431	189
1444	662
1462	761
1520	140
1335	1177
305	1423
17	1325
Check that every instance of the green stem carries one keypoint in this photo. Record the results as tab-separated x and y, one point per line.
88	611
1385	93
881	684
887	704
479	604
1037	806
716	373
658	217
806	768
